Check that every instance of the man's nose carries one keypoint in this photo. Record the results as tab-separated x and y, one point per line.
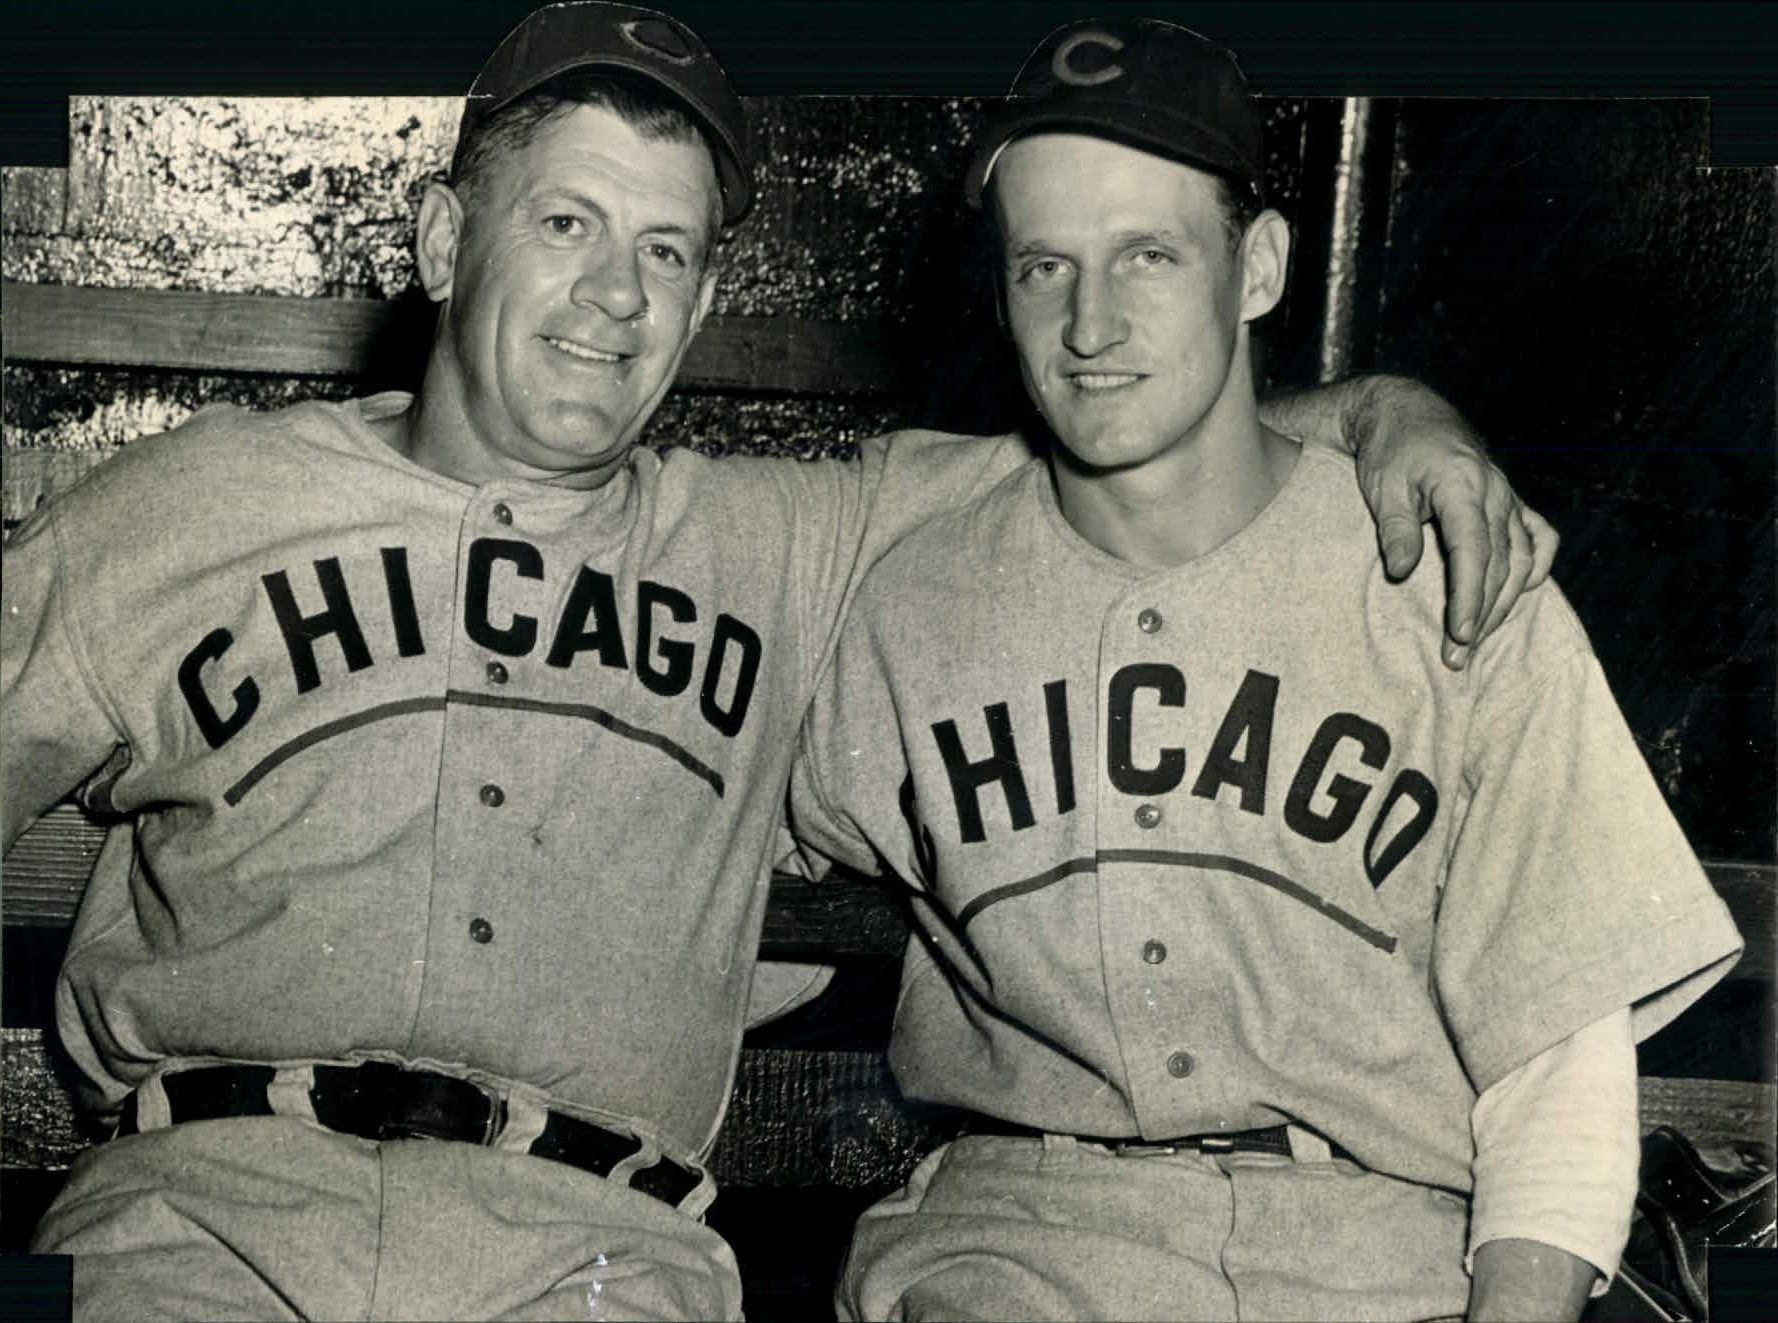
613	284
1096	320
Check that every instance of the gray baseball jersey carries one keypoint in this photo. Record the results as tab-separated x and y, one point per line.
1226	845
484	779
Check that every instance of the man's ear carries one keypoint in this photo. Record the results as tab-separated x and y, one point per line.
706	298
1265	257
436	240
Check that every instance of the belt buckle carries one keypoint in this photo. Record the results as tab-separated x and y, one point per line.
399	1107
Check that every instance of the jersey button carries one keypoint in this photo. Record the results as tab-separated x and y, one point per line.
1179	1065
502	513
1154	952
1149	621
1148	815
493	796
496	673
480	930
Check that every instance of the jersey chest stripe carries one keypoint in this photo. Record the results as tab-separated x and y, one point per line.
1265	877
308	739
1174	858
599	717
1036	882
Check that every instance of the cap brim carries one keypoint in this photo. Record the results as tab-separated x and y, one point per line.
733	180
1142	127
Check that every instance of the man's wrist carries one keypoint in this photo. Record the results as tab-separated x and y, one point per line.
1528	1281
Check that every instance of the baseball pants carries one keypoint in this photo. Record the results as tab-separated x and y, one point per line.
995	1227
276	1218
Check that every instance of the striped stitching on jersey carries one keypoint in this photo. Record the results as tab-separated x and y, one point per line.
583	711
1224	863
599	717
309	738
1067	868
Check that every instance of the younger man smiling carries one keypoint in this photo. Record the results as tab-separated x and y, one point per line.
1286	973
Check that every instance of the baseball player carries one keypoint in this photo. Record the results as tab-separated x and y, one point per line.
1281	972
449	736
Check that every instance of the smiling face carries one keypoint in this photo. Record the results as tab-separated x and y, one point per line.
574	275
1124	293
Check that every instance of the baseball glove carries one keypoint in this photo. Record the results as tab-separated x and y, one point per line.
1684	1205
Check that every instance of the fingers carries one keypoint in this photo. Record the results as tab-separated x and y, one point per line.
1399	534
1402	541
1521	547
1544	542
1500	563
1516	579
1463	528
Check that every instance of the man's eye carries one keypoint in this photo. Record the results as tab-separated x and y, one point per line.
1152	257
564	224
1041	271
666	255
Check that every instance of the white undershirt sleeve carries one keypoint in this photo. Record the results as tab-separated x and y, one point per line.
1558	1146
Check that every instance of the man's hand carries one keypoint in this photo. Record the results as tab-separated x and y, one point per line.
1418	460
1526	1281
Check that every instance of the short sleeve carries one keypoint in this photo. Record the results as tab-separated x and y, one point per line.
1571	889
851	513
850	776
55	728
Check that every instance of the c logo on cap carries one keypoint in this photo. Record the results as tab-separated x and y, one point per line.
1060	66
658	36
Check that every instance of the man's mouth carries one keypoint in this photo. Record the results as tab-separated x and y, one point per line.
586	353
1102	381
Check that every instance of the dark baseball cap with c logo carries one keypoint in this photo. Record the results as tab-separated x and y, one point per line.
1141	81
590	35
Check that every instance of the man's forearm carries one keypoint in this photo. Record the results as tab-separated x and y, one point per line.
1526	1281
1331	415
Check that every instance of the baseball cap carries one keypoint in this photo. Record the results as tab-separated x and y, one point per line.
587	34
1151	84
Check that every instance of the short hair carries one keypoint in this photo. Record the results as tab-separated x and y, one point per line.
639	102
1240	206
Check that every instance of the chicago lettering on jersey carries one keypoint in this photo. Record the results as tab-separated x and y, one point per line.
662	648
1318	803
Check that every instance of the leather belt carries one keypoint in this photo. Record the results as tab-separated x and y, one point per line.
1272	1139
378	1100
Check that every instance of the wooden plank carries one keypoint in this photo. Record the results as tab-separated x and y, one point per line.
43	875
338	337
30	477
841	917
1712	1113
